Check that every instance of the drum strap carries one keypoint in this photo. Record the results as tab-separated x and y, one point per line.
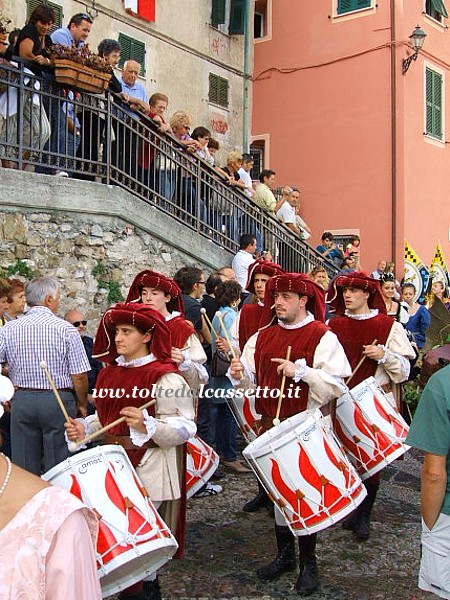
126	443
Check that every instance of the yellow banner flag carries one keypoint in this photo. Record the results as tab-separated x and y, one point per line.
415	273
438	269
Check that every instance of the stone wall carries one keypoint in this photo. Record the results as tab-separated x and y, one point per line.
66	228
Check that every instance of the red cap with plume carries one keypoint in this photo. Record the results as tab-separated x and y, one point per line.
152	279
360	281
141	316
261	267
300	284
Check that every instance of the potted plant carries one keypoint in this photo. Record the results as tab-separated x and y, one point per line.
81	68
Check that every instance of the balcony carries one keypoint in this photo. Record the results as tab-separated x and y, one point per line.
116	147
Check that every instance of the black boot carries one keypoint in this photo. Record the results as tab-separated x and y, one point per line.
352	521
152	590
259	501
361	527
308	579
136	596
285	560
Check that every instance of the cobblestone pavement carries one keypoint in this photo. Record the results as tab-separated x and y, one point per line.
226	545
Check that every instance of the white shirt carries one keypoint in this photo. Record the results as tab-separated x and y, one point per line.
245	177
286	213
240	265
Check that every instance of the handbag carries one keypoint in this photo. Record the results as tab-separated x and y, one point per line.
220	364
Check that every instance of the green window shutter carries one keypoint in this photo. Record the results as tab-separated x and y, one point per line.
32	4
132	50
237	17
439	7
345	6
218	12
433	92
218	90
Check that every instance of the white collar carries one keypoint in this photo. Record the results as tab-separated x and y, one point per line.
308	319
260	302
172	315
373	313
136	362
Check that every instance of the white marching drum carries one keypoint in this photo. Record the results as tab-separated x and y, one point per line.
201	463
244	411
303	468
370	427
133	540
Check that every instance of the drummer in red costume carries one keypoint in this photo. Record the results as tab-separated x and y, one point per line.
135	341
163	295
249	316
246	324
362	320
316	368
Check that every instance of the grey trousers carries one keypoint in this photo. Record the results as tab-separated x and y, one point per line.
37	429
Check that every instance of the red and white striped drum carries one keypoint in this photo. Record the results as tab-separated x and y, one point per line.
245	414
201	463
133	540
301	465
370	427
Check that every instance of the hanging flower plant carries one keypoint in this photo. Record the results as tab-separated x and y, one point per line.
82	56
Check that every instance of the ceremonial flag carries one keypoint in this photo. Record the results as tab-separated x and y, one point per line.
438	269
144	9
415	273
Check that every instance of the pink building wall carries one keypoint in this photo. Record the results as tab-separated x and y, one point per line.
330	126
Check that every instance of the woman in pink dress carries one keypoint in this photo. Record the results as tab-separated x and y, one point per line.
47	539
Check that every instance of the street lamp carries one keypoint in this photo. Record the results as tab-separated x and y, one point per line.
417	39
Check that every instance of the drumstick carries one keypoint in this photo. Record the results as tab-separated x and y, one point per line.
276	421
44	367
118	421
208	320
219	316
363	358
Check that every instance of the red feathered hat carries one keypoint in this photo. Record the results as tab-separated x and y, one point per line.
158	281
139	315
360	281
300	284
263	267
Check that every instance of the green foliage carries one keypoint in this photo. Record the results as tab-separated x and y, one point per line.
411	396
114	293
20	268
101	274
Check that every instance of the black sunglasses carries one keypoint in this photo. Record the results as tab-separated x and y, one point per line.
78	323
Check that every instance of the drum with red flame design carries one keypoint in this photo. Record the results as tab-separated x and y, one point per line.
370	428
244	412
133	540
201	462
306	473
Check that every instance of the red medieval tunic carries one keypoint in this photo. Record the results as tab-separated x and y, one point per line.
249	318
272	342
353	334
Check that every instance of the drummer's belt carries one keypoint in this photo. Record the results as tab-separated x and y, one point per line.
126	443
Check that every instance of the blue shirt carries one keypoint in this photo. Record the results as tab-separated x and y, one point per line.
64	37
137	91
332	254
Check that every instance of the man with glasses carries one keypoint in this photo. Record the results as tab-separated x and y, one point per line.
78	320
124	149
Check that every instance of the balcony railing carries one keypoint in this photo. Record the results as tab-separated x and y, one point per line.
97	137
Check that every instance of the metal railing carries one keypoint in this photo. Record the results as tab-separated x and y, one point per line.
98	138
